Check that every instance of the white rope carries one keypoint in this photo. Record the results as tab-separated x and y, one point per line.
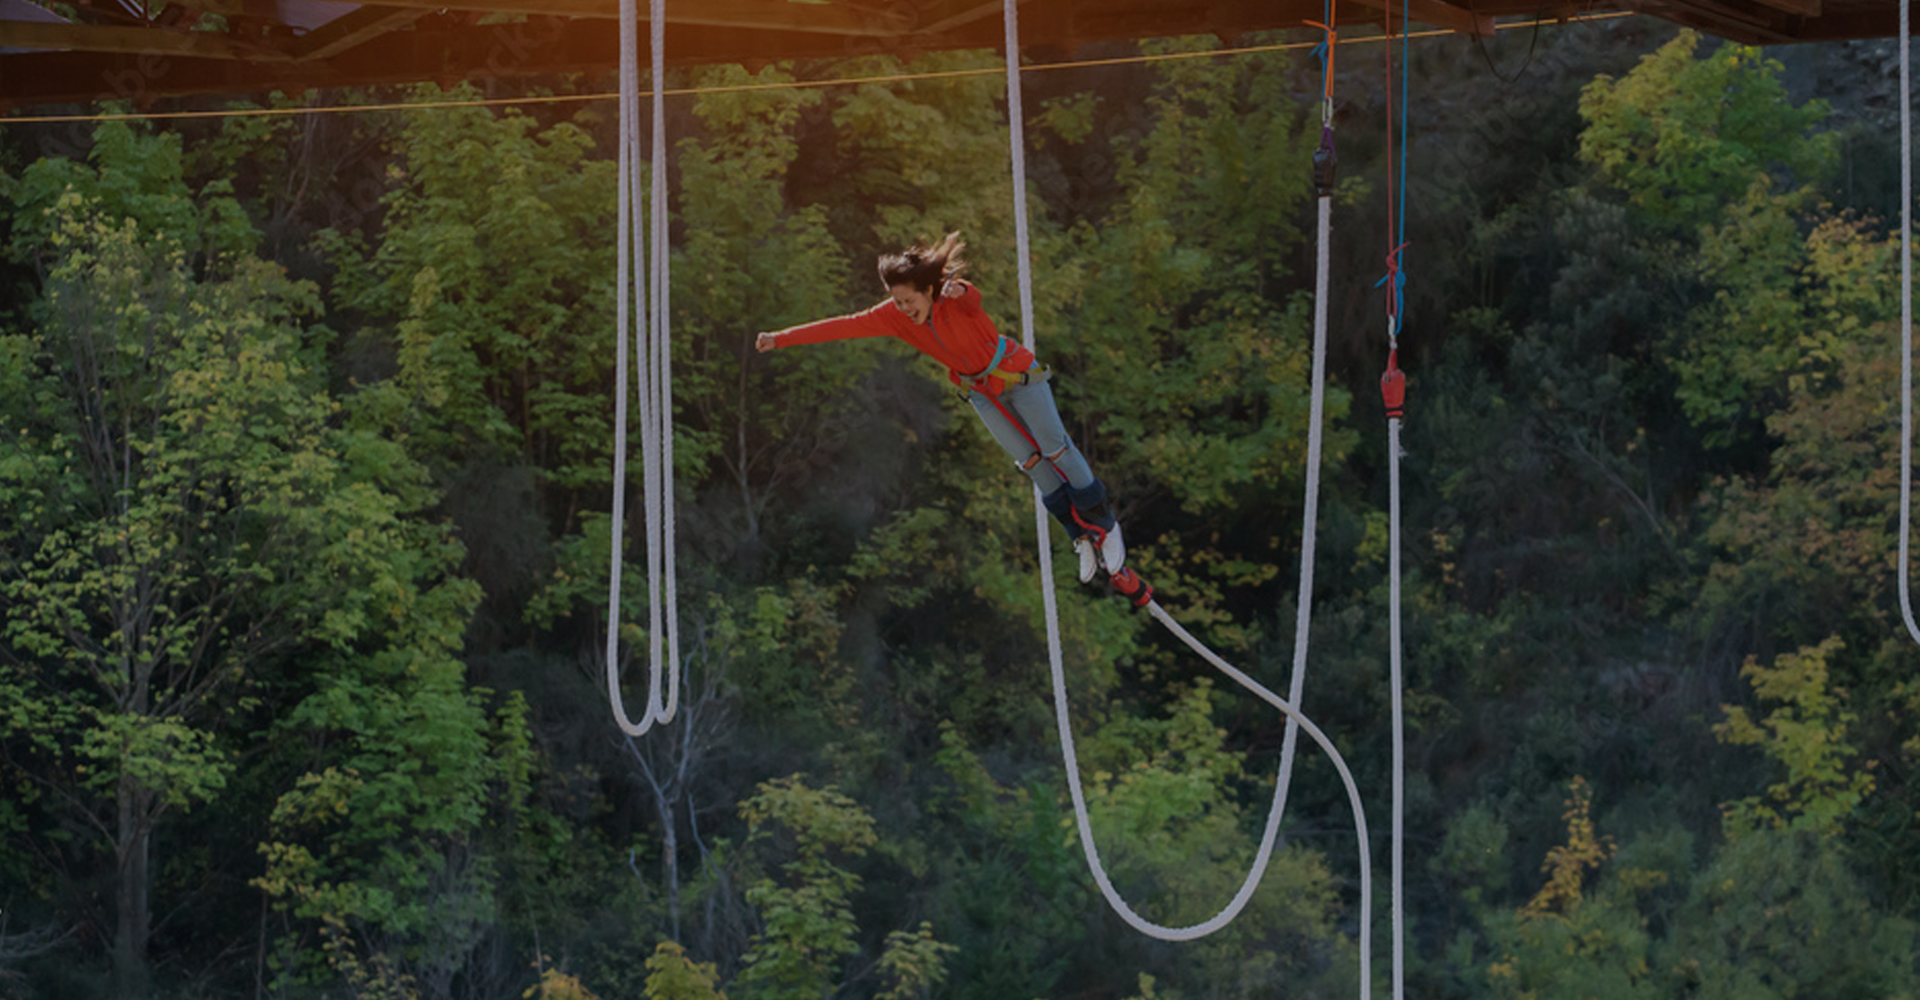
1265	852
1906	323
1310	519
1294	716
1017	140
1398	843
1295	720
660	489
1397	838
650	341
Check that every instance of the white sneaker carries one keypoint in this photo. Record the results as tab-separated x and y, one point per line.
1113	551
1089	557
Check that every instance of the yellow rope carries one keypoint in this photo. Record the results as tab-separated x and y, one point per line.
748	87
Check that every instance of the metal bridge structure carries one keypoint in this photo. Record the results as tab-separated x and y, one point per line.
65	51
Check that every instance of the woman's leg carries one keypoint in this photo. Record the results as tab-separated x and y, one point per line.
1033	404
1015	442
1058	469
1067	485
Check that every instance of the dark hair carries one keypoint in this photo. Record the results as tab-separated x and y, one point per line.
924	268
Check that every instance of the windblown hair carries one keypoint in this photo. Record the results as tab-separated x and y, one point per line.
924	268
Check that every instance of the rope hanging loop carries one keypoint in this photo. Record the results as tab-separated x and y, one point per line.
640	290
1393	387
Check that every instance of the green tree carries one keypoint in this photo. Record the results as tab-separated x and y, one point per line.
1801	554
1188	345
1178	813
808	926
1683	136
1164	797
913	963
187	509
381	848
755	427
1582	935
1017	893
674	976
1801	566
1782	307
1778	914
485	290
1807	735
1191	357
919	158
808	922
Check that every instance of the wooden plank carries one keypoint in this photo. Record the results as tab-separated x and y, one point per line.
226	7
1116	20
1850	25
784	15
343	33
773	15
1711	26
1741	24
131	41
944	17
1798	8
1437	13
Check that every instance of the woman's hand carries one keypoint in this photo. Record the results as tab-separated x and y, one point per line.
763	343
953	289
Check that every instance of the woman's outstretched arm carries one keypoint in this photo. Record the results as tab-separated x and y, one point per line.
874	322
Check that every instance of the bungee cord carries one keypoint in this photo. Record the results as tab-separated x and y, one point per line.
653	350
1392	390
1393	385
1296	721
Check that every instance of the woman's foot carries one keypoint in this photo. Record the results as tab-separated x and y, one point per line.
1113	551
1089	552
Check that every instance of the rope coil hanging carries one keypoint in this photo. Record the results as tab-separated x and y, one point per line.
654	358
1295	720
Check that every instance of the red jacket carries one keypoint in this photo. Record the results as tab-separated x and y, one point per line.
957	334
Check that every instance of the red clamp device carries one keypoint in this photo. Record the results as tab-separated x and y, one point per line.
1130	586
1393	387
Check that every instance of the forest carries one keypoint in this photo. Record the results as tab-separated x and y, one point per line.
306	450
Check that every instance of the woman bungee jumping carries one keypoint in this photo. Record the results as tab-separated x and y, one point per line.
931	308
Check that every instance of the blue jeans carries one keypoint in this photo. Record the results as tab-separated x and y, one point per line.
1032	405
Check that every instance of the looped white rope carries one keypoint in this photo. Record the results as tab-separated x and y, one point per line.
1295	720
653	347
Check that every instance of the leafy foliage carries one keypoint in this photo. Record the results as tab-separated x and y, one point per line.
308	615
1807	735
1683	136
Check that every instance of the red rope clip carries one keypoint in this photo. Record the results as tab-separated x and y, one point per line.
1393	387
1131	586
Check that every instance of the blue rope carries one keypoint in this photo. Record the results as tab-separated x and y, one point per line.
1396	315
1400	238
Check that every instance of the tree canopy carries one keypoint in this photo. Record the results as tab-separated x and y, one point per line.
305	440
